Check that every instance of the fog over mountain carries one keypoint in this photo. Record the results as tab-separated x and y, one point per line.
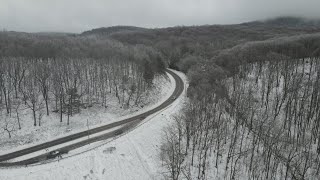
80	15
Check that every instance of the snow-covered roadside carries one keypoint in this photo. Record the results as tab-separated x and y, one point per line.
37	153
134	155
95	116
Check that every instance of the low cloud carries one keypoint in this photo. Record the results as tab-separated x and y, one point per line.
81	15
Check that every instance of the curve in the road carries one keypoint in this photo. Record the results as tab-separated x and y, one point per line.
177	92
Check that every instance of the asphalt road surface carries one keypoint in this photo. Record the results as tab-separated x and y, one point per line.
129	122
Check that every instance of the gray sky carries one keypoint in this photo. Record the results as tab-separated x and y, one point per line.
81	15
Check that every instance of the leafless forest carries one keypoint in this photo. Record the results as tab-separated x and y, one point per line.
64	74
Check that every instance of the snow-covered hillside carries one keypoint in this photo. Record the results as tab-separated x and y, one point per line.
88	118
134	155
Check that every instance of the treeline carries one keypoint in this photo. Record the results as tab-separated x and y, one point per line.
64	73
47	45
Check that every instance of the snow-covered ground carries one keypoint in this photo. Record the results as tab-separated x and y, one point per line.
134	155
95	116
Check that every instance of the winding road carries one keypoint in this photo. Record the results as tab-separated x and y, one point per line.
131	122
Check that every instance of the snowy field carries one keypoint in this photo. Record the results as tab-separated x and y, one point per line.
134	155
95	116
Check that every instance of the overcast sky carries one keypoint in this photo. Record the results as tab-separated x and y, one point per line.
81	15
